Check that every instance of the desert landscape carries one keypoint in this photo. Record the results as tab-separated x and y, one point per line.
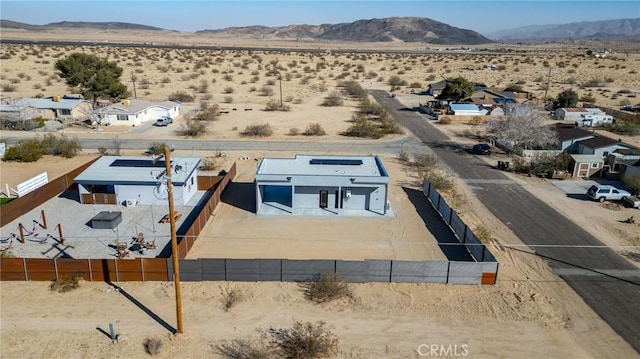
530	313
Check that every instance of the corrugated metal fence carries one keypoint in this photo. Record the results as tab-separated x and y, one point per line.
483	271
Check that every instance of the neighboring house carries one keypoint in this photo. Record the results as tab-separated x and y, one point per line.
630	168
570	135
466	109
586	165
138	180
600	145
618	159
135	112
575	114
436	88
322	185
55	108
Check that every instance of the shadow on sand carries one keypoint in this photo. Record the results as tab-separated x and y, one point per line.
447	241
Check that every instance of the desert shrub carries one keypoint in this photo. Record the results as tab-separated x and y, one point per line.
257	130
588	98
304	340
363	128
8	87
24	151
415	85
181	96
314	129
60	146
228	99
483	234
208	113
265	91
228	89
65	283
403	156
445	120
396	81
293	131
441	181
231	297
626	127
209	164
475	120
243	349
274	105
156	148
193	127
325	288
352	88
333	99
152	346
593	83
425	162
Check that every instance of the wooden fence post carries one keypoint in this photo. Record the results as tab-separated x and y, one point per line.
142	268
44	219
55	266
117	274
21	228
24	266
90	271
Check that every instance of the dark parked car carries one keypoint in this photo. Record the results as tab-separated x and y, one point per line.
482	149
163	121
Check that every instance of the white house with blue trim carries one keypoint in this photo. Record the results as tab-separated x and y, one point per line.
137	180
322	185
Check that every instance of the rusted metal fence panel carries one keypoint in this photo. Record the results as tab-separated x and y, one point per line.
12	269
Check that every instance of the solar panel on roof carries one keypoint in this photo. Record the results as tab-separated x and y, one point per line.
335	162
138	163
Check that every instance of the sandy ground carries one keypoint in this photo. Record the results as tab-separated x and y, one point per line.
383	320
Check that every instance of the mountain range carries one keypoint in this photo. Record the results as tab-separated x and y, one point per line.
606	29
407	29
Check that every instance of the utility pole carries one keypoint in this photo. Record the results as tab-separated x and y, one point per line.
133	79
280	78
547	87
174	240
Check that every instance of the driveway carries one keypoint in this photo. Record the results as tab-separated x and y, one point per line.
607	282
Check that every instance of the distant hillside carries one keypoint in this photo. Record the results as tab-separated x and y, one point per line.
409	29
621	29
8	24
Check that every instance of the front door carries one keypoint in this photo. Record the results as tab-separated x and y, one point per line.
324	199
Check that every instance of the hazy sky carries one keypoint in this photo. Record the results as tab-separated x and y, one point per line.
481	16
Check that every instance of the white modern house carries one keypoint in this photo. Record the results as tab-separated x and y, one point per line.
137	180
135	112
322	185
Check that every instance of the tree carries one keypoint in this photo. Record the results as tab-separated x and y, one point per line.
456	89
93	77
523	127
566	98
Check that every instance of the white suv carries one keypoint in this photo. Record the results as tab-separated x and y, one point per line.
606	192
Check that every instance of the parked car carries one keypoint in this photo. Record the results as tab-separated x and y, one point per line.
607	192
482	149
633	201
163	121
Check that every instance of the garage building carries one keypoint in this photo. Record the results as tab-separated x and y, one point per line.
322	185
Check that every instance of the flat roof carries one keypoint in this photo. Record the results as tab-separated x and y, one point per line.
323	165
112	170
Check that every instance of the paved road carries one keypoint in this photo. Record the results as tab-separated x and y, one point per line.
88	141
607	282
